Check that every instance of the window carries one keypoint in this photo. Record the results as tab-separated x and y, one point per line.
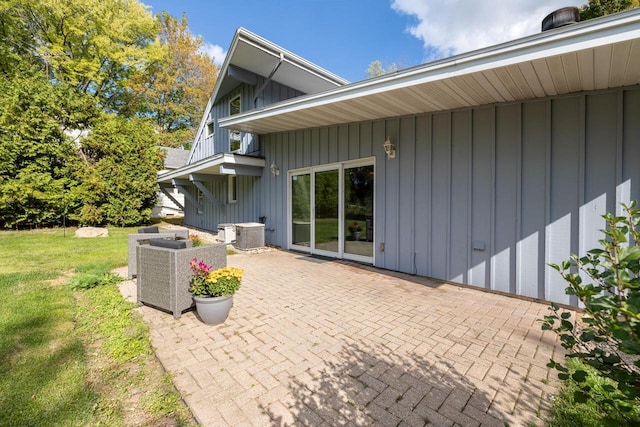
234	135
233	189
211	127
200	199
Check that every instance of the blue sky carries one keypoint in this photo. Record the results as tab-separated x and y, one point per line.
345	36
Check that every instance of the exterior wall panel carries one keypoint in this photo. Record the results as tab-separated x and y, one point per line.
507	144
531	244
206	146
406	195
422	202
484	196
440	195
460	191
208	218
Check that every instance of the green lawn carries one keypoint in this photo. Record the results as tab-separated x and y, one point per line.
327	229
74	357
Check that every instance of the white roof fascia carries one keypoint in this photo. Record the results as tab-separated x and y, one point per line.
589	34
211	162
290	57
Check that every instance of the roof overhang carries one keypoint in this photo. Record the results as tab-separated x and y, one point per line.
219	165
259	56
596	54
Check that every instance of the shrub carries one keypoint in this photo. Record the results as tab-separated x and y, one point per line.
607	338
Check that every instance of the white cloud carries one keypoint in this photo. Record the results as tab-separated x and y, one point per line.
448	27
216	52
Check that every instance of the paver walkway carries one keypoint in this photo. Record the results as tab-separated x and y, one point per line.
315	342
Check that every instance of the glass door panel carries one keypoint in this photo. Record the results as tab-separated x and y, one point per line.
358	211
326	203
301	210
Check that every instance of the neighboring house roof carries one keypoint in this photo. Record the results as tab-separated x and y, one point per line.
175	158
596	54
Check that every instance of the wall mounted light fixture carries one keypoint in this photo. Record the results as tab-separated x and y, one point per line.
389	148
275	170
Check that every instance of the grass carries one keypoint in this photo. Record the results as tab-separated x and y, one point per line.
327	229
567	412
75	357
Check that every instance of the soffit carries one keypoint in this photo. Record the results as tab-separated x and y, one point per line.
594	55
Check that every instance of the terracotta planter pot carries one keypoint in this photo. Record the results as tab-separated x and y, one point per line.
213	310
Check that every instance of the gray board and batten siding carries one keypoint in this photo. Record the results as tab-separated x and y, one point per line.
208	145
484	196
209	215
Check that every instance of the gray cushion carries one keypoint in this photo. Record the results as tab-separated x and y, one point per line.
171	244
151	229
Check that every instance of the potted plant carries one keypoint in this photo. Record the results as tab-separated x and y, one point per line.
213	290
355	229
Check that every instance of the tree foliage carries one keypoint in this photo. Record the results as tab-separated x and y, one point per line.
607	338
596	8
35	151
95	46
86	88
176	89
376	69
117	172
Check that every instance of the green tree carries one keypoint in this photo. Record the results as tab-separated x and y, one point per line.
95	46
177	86
596	8
16	38
117	172
35	148
376	69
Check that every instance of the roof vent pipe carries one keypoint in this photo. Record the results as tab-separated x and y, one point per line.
560	18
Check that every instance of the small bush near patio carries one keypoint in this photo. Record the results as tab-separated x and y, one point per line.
75	357
603	346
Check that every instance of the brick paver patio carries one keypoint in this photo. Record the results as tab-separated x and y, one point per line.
315	342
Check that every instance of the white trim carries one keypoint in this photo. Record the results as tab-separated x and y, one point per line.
311	171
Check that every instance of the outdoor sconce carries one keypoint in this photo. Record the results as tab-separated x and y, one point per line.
275	170
390	149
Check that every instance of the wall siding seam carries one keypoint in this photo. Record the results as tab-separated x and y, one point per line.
466	276
414	265
398	183
492	214
619	172
449	195
547	191
518	222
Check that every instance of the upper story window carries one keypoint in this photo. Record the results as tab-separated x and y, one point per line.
234	135
211	127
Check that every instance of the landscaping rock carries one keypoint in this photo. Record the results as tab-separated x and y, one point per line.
92	232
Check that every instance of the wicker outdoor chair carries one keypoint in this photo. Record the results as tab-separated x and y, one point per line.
164	274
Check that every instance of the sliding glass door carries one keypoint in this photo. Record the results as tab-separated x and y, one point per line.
327	212
301	210
331	210
358	210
